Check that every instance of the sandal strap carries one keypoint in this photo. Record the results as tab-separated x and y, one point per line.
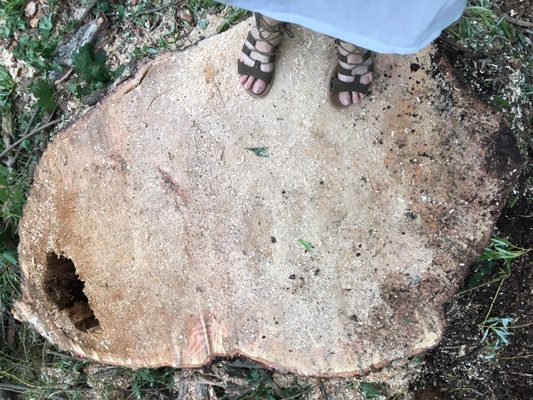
255	71
275	33
263	27
270	56
349	72
338	86
366	55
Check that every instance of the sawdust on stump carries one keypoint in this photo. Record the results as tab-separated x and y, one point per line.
182	219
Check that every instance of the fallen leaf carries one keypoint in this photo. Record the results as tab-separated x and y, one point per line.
7	125
34	22
306	245
259	151
30	10
185	15
44	93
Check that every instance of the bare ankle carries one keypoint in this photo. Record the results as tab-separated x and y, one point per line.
270	21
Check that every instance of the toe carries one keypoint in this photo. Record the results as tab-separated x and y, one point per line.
356	97
243	79
367	78
345	98
249	83
259	86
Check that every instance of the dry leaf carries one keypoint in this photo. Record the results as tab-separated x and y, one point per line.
30	10
34	22
185	15
7	126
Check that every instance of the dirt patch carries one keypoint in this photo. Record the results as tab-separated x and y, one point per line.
462	367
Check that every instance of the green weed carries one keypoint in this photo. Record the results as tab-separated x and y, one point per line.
7	86
491	45
147	379
263	387
44	93
481	29
198	9
93	72
373	390
144	51
502	249
497	256
12	187
38	47
496	261
233	16
9	278
496	330
11	17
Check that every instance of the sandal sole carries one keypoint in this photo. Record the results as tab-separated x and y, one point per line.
333	100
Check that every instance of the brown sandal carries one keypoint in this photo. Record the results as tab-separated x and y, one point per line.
336	85
257	33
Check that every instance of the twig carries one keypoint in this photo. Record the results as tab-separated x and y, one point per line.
26	131
323	390
517	357
297	395
14	388
85	14
219	93
181	386
521	374
483	284
35	131
515	21
520	326
159	95
279	391
453	44
493	301
466	389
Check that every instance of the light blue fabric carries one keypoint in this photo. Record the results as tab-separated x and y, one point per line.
385	26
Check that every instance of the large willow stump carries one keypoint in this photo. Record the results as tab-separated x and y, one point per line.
182	219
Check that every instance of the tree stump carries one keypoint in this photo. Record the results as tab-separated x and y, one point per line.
181	219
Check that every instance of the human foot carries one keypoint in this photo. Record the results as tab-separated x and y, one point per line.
351	76
256	63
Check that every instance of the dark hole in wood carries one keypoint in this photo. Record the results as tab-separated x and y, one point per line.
65	289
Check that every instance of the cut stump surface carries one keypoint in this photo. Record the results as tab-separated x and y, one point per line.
181	219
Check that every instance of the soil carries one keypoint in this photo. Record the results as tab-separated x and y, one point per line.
462	367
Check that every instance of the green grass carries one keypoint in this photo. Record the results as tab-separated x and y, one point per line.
494	262
499	62
93	73
11	17
147	380
261	386
494	266
481	29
